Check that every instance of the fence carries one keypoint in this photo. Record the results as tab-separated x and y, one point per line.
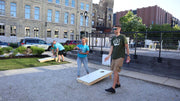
154	40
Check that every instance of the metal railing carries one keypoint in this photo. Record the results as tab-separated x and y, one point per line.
156	40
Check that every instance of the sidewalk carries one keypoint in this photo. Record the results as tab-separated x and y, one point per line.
58	83
141	76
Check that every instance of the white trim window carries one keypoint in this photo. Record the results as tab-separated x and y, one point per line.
49	15
27	11
13	9
36	13
66	16
2	7
57	13
72	19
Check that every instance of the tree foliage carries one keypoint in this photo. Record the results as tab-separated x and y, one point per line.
131	23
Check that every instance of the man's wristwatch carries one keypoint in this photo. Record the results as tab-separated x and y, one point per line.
128	55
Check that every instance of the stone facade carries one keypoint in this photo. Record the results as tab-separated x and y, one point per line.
15	28
103	15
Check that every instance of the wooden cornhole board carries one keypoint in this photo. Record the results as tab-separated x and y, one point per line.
47	59
94	77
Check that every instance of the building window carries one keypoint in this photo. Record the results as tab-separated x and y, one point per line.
2	7
57	16
81	20
92	23
72	35
92	14
77	37
109	17
87	7
13	9
73	3
2	30
66	18
72	19
49	33
56	35
58	1
36	32
27	31
49	0
49	15
66	2
87	21
13	30
27	12
65	34
109	24
82	6
36	13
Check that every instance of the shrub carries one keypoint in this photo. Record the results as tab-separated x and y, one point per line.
37	50
22	49
69	47
1	51
15	51
66	48
72	47
7	49
13	45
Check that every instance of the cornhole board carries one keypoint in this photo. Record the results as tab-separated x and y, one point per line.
47	59
94	77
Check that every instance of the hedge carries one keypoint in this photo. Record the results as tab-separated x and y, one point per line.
37	50
22	49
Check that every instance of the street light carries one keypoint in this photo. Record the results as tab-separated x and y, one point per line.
85	16
146	33
45	31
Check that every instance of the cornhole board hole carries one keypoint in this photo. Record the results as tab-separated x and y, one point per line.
47	59
94	77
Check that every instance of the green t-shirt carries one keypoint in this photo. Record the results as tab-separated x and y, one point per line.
118	44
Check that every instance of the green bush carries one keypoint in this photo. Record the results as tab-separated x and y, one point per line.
15	51
69	47
7	49
1	51
13	45
22	49
72	47
66	48
37	50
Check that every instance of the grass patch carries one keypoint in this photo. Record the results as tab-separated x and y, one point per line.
8	64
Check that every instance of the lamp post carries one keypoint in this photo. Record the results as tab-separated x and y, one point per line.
85	14
45	31
146	33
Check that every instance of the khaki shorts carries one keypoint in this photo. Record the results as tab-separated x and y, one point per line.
116	64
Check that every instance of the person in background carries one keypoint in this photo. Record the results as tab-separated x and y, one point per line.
58	49
82	56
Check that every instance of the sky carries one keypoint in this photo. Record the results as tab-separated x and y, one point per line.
171	6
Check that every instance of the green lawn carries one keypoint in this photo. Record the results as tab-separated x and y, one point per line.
8	64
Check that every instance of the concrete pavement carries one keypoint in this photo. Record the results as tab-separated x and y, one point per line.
146	77
58	83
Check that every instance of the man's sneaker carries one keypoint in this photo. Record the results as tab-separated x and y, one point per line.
112	90
117	86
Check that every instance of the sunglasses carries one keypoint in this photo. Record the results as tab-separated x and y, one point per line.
114	29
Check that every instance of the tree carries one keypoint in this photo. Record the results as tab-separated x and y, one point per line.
131	23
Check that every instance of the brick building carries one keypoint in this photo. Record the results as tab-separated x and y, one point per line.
150	15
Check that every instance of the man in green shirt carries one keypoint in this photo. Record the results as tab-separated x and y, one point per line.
117	52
